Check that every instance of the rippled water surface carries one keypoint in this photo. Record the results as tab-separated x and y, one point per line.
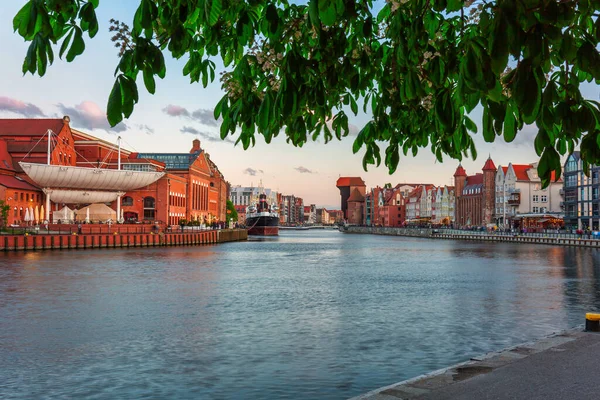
308	315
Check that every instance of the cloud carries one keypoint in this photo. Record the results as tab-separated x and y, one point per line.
203	116
204	135
18	107
146	129
252	171
304	170
176	111
89	116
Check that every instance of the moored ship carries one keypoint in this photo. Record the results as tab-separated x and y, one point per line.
262	219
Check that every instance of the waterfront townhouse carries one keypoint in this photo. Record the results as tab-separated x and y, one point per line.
519	192
581	195
475	195
443	206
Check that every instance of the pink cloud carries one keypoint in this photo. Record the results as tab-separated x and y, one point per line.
19	107
89	115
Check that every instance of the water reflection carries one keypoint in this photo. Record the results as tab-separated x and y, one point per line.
304	315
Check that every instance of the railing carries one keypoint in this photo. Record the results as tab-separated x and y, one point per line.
554	233
94	229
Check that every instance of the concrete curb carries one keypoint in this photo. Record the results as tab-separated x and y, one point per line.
435	380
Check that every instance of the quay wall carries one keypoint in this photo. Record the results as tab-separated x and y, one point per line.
565	240
98	241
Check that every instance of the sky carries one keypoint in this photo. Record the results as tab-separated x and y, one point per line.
179	112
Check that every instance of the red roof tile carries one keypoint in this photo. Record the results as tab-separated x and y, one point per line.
521	171
460	171
475	179
29	127
489	165
350	181
10	181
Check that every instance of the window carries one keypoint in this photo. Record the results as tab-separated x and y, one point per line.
544	198
536	198
127	201
535	209
16	196
22	196
149	214
27	197
149	203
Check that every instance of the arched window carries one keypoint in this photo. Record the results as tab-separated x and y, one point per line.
149	202
127	201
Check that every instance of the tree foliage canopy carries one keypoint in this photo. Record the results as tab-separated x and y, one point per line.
232	214
417	67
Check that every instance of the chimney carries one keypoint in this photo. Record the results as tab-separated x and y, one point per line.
195	146
66	120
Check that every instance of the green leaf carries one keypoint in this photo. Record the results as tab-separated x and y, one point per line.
215	12
115	104
510	124
65	43
78	45
21	20
488	129
149	81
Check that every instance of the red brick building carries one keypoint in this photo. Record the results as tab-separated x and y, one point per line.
347	186
388	207
192	187
475	196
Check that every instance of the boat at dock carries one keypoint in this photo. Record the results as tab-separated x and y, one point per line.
262	219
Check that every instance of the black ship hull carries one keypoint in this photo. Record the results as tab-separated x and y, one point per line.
263	226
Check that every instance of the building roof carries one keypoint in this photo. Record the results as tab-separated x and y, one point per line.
521	171
172	160
29	127
356	196
489	165
350	181
306	209
460	171
10	181
475	179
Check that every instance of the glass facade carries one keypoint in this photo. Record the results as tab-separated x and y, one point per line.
172	160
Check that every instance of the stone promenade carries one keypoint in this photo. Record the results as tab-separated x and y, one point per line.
561	366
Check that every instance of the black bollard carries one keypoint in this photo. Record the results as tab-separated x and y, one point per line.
592	322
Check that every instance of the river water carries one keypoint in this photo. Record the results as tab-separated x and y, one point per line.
307	315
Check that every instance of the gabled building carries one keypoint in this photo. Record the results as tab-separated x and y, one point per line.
519	191
475	196
443	205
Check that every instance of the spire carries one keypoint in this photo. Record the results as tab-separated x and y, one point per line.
489	165
460	171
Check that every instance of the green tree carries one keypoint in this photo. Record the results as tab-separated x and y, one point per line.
417	67
4	208
232	214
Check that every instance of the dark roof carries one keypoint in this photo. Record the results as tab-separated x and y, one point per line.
13	182
29	127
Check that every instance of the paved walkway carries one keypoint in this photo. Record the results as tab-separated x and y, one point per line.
562	366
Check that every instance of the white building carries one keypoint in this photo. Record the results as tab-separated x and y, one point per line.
443	204
246	195
519	191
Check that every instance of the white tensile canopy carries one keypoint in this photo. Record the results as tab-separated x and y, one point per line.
96	212
69	177
66	196
65	214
